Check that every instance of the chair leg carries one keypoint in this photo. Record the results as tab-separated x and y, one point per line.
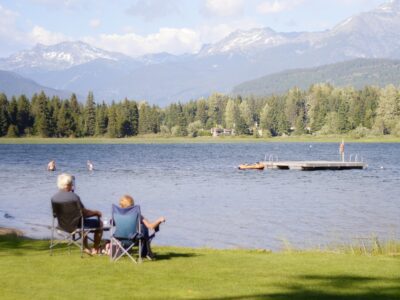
52	238
82	247
140	251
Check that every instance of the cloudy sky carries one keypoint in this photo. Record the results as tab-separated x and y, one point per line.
137	27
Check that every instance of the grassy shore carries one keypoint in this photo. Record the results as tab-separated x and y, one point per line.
155	139
28	272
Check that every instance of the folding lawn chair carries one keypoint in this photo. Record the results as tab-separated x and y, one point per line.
126	232
69	226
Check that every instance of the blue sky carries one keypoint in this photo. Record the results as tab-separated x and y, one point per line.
138	27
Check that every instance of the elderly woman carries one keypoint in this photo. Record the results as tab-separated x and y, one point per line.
65	184
127	201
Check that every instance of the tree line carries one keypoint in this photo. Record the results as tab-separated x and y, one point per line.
322	109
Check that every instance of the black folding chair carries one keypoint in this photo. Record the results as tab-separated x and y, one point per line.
70	225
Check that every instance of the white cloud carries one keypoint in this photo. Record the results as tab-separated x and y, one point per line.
7	22
224	8
94	23
43	36
172	40
69	4
11	37
270	7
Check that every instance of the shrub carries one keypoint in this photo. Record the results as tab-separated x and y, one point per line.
12	131
359	132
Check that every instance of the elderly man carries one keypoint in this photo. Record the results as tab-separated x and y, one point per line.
66	193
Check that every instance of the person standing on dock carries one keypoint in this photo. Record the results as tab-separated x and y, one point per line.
341	150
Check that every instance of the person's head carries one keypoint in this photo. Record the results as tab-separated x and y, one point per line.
126	201
65	181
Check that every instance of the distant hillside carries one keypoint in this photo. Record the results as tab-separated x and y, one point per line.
357	73
13	84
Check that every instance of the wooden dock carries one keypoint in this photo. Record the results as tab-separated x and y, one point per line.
313	165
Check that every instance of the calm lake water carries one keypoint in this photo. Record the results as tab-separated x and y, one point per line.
206	200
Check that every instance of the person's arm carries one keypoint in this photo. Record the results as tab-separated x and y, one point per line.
91	213
153	225
88	212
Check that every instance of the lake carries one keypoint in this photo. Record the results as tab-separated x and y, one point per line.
206	200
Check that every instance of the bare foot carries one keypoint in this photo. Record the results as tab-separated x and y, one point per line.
88	251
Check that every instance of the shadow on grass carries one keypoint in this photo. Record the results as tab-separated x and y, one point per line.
331	288
13	245
172	255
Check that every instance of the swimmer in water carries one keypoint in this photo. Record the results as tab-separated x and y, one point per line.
89	165
51	166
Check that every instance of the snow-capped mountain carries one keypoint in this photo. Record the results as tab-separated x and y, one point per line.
57	57
248	41
371	34
241	56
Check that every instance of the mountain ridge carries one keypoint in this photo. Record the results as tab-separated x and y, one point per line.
13	84
241	56
357	73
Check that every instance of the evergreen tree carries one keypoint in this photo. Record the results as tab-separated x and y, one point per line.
13	111
77	115
24	118
190	111
201	113
65	123
154	119
4	120
54	106
101	119
124	118
135	118
369	96
342	115
182	123
295	109
171	115
112	127
90	115
42	117
144	126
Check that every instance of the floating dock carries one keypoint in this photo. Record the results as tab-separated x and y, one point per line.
314	165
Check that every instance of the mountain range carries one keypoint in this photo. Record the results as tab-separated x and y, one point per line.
241	56
356	73
13	84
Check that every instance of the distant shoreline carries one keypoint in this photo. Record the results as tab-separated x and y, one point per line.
197	140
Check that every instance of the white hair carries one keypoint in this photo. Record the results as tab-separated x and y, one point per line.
64	180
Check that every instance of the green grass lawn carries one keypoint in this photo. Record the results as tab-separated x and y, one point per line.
27	271
155	139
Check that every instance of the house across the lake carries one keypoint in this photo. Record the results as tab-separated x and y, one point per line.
216	131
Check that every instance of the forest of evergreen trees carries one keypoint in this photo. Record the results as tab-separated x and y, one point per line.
322	109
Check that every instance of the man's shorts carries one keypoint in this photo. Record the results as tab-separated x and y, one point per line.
91	223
